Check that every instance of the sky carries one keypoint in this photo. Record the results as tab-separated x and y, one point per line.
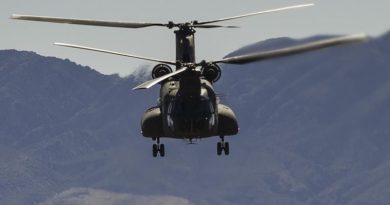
326	17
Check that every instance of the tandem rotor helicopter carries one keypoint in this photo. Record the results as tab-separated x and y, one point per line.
188	106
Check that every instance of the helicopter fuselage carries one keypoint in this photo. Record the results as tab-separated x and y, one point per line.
188	106
188	110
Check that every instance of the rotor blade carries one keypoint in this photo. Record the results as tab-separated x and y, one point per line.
294	49
255	13
150	83
89	22
213	26
115	53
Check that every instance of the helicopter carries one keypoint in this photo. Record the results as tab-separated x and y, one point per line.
188	107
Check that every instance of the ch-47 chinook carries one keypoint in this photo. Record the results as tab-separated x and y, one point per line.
188	106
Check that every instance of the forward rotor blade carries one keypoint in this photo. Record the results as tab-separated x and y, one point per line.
150	83
255	13
89	22
115	53
294	49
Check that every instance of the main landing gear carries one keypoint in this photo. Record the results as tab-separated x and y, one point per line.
158	148
222	146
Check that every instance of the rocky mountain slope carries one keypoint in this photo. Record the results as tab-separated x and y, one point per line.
314	130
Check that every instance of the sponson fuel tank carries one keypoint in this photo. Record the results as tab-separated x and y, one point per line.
151	123
227	121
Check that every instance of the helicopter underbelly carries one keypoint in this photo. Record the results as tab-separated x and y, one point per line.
155	125
191	128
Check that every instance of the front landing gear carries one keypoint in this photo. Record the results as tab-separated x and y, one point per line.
223	146
158	148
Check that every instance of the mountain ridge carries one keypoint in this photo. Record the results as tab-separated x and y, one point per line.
311	133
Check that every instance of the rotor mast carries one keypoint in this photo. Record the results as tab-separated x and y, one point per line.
185	44
185	54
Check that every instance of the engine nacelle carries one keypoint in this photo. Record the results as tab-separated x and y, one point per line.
161	70
211	72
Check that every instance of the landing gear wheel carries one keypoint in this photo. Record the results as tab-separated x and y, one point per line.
155	150
223	146
219	148
226	148
162	150
158	148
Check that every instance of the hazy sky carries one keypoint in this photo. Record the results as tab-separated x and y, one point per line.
326	17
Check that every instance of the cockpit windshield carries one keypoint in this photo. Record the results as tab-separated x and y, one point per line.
190	115
191	108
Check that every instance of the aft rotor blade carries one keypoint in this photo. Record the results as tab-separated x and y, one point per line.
294	49
89	22
115	53
213	26
255	13
150	83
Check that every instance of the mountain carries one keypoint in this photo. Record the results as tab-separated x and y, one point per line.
314	130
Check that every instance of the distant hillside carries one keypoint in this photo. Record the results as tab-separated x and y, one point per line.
314	130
